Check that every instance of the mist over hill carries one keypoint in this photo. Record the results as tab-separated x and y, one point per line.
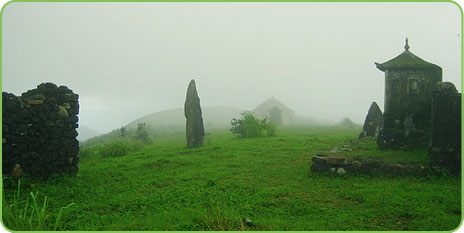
86	132
213	117
173	120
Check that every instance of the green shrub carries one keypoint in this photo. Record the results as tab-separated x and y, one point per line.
123	132
249	126
32	216
141	134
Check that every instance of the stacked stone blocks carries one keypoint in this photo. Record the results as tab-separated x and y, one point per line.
39	131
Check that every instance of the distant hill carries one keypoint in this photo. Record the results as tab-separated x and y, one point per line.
213	117
86	132
300	120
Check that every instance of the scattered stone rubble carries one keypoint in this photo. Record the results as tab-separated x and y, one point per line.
342	165
339	149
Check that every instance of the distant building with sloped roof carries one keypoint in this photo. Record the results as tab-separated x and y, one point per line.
275	111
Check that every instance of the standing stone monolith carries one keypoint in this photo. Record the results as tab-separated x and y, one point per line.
194	127
373	122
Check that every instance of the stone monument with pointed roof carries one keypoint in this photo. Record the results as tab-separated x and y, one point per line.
409	84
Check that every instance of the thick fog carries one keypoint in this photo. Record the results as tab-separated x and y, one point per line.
127	60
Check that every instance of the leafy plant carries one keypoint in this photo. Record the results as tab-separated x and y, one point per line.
141	133
30	217
250	126
123	132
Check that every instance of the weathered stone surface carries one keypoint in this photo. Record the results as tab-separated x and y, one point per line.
373	122
319	164
390	139
17	171
337	160
318	159
62	112
357	164
341	171
194	126
66	105
34	102
320	167
446	88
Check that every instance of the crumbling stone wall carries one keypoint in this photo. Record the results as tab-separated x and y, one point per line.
445	151
39	131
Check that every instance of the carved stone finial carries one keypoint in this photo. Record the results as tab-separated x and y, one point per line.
406	46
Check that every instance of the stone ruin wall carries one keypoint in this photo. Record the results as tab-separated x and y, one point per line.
39	131
445	150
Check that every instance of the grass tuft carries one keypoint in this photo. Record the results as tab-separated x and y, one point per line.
29	215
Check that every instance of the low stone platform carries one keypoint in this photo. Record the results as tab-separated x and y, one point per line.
341	165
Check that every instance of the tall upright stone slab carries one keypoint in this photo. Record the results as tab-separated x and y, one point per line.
373	122
194	126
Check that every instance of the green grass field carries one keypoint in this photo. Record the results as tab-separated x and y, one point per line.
165	186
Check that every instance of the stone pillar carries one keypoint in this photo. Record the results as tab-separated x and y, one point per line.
194	126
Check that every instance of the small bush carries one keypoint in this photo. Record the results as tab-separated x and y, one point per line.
141	134
123	132
250	126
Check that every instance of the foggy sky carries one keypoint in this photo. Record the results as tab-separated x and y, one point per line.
127	60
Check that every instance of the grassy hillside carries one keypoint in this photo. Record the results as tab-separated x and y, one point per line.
165	186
